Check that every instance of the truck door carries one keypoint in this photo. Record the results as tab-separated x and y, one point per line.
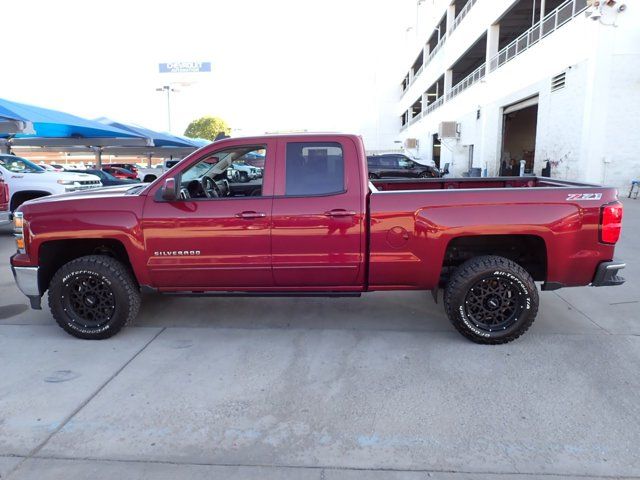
318	215
213	237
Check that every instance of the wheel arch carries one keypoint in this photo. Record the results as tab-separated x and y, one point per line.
55	253
528	251
21	196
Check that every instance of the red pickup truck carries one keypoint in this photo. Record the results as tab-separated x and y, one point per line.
315	225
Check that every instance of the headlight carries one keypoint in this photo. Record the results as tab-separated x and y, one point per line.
66	182
18	231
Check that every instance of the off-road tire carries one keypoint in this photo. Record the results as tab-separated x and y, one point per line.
482	271
111	280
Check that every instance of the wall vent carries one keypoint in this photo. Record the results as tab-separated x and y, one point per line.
448	130
558	81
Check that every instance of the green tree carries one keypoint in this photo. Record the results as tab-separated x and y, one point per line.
207	127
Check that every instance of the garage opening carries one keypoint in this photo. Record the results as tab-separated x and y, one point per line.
519	137
435	153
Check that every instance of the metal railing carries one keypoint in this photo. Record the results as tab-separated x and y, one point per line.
474	77
550	23
435	50
415	119
462	14
433	106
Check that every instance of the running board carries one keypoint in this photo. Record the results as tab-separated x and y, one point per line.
262	294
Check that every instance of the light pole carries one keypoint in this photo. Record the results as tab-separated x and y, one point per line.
168	89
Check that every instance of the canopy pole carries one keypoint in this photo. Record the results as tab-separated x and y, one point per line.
149	160
98	157
4	146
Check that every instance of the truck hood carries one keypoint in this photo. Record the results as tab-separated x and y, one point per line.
73	176
91	195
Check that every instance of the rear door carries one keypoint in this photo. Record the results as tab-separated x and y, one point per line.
318	215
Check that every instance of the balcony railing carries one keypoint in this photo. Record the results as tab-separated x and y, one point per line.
415	118
474	77
433	106
462	14
550	23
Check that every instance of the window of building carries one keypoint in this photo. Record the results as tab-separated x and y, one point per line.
314	168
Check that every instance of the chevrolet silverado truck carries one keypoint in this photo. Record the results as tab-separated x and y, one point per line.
4	202
26	180
316	227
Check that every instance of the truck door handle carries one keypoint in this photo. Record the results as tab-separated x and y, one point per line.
339	212
251	214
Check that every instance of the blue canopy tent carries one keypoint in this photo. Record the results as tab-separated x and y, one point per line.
27	125
164	144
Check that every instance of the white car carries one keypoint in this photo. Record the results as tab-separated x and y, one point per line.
148	175
27	181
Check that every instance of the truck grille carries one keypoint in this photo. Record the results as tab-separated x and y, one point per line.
88	184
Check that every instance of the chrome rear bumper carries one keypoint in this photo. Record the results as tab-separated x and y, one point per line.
607	274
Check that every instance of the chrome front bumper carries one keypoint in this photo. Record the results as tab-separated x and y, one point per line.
27	281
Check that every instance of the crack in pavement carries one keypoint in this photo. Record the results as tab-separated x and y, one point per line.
323	468
83	404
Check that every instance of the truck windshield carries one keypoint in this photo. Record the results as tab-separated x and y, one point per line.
19	164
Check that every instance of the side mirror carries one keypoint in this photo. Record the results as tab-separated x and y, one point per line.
169	192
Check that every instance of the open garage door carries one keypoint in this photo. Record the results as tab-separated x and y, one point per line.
519	136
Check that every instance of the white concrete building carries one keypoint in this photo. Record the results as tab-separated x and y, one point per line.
565	90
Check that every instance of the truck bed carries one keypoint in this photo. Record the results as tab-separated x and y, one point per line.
473	182
414	223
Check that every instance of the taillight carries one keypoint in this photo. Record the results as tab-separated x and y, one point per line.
610	222
4	196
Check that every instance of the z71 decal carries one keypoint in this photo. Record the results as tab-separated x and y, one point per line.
584	196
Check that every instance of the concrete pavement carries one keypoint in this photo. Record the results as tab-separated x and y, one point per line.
377	387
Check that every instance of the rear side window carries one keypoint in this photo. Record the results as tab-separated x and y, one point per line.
314	168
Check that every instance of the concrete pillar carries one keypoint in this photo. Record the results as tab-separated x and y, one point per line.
493	41
451	16
448	79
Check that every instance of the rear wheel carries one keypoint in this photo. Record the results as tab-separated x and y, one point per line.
491	300
93	297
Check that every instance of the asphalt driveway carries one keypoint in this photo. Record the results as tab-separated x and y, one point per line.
377	387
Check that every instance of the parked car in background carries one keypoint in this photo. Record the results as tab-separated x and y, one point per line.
132	167
241	172
397	165
318	227
4	202
148	175
106	178
120	172
27	180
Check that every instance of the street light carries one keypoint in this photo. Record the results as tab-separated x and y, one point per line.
168	89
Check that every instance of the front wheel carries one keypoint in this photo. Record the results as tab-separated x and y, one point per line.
93	297
491	300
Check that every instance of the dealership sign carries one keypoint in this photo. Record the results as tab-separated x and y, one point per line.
185	67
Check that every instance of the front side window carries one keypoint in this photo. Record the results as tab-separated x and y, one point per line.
314	168
226	173
19	165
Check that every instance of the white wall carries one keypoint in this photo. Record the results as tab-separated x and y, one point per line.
588	129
